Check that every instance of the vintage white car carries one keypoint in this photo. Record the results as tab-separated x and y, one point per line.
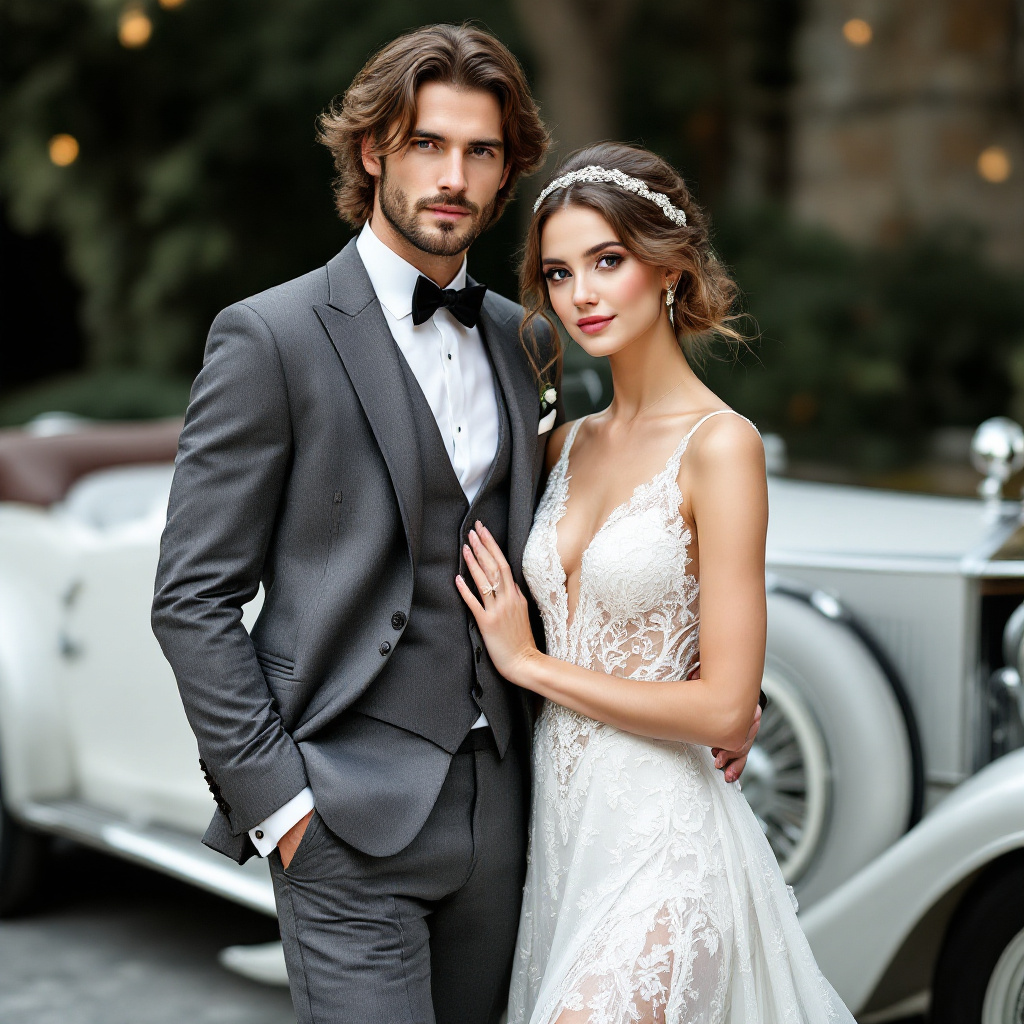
888	774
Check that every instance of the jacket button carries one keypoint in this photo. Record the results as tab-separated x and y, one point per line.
478	651
259	833
398	620
477	691
385	648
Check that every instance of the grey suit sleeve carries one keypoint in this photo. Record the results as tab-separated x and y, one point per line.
233	459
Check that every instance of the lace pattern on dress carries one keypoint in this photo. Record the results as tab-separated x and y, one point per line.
652	896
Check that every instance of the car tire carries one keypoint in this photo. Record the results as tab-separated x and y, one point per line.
831	775
979	977
20	853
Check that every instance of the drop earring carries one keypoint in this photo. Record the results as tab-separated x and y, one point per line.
670	298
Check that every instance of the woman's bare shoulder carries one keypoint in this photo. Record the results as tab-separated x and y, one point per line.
724	461
730	436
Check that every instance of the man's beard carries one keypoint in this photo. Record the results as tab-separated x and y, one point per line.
447	239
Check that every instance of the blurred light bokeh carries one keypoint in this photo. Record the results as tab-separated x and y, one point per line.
863	163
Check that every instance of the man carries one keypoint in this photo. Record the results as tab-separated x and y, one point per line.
346	431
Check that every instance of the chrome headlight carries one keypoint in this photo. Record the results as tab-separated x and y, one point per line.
1006	690
1013	640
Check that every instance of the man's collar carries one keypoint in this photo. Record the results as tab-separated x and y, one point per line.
392	277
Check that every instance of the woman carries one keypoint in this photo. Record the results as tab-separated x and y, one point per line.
651	893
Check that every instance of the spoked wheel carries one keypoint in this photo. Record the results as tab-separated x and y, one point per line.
831	774
980	974
786	780
1004	994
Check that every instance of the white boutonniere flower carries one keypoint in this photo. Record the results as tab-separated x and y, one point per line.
548	397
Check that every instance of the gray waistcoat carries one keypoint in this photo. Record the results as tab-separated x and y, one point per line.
439	678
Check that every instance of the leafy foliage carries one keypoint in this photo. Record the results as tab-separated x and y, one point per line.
864	352
99	395
199	180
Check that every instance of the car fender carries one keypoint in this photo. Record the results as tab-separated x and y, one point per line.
858	929
35	755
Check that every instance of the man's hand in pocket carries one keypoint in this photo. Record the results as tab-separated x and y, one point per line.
290	840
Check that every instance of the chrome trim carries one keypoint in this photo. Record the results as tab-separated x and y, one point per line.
783	558
1000	553
174	853
788	777
970	566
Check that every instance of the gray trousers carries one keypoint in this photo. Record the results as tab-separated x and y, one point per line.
427	935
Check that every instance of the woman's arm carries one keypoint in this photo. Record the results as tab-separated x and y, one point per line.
730	510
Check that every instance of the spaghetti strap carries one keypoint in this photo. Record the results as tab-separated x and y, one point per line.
704	419
563	455
676	458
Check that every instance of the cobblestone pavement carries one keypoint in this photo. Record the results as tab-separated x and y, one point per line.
109	943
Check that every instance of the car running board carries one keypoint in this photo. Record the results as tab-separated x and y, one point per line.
174	853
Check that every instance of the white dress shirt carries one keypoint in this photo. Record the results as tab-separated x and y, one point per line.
450	363
448	359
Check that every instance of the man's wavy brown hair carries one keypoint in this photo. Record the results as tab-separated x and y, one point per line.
381	104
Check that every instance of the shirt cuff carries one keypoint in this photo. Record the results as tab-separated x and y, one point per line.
267	834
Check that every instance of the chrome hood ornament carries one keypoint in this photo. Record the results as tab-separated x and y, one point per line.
997	452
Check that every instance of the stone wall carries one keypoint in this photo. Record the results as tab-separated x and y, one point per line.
891	116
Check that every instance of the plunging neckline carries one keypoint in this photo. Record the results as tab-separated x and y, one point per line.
563	505
648	873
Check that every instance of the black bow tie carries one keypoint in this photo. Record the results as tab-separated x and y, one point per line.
463	303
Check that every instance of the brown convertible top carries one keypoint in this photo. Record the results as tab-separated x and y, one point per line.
41	470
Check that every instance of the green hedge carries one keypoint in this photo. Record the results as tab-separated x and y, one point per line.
101	395
859	356
863	352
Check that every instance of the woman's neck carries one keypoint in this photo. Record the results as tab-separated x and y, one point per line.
647	371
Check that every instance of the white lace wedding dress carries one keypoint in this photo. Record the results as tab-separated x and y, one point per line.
651	894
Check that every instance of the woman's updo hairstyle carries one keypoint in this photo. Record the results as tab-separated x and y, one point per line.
705	293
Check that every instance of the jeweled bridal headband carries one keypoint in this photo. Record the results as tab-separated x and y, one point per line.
613	176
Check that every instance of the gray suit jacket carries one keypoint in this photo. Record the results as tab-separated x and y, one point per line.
294	468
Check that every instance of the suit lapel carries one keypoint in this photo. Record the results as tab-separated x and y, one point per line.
355	323
517	385
357	328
